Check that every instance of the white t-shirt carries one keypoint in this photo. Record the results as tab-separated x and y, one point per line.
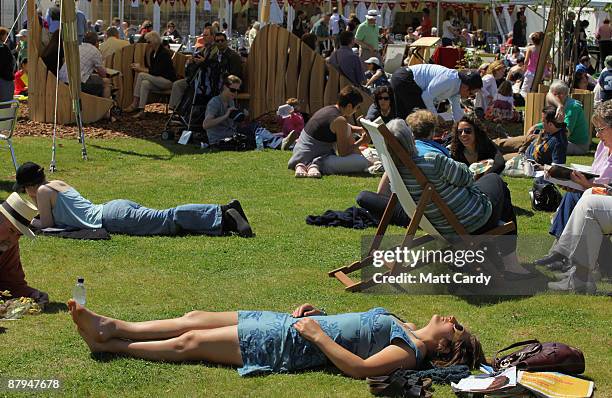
447	31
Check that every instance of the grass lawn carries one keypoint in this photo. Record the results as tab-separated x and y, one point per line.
138	278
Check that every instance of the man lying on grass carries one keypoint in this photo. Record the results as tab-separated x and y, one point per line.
360	345
60	205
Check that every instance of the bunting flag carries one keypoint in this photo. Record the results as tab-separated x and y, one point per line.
380	5
414	4
184	2
243	2
368	4
344	2
391	6
403	5
172	2
511	8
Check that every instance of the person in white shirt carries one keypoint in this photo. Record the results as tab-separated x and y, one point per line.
90	59
337	24
449	32
486	96
425	85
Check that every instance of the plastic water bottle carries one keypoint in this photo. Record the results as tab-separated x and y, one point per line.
78	292
259	142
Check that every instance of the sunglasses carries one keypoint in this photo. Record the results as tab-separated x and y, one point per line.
233	90
467	130
220	41
599	130
384	98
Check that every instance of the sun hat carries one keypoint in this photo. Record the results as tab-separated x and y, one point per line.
284	110
19	212
23	33
372	14
372	60
28	174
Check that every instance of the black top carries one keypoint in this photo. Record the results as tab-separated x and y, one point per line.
7	70
488	151
318	127
519	34
374	113
161	64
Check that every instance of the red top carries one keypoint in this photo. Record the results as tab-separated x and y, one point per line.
12	277
294	122
20	85
426	26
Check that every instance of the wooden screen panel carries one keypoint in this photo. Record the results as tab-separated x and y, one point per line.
271	61
332	87
118	80
94	108
317	84
261	74
179	60
534	103
307	59
252	81
127	76
587	99
293	64
49	104
39	111
281	66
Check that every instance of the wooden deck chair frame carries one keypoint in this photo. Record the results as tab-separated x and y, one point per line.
9	111
386	144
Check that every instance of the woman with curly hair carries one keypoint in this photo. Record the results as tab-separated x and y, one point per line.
470	144
362	344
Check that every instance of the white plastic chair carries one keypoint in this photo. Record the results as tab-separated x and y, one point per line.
8	121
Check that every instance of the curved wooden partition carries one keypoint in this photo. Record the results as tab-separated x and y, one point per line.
280	67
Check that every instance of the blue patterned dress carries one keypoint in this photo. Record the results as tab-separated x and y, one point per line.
269	342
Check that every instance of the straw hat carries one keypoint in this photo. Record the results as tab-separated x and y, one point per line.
19	212
372	14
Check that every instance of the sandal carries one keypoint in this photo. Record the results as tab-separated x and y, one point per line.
301	171
313	171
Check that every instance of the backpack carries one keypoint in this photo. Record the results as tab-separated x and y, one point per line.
341	24
544	196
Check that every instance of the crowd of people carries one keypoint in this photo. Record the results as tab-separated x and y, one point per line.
415	102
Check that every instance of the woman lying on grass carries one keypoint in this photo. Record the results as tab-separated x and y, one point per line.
365	344
60	205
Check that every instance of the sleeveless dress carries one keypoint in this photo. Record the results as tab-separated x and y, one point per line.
269	343
73	210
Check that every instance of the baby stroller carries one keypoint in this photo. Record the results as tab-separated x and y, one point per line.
188	115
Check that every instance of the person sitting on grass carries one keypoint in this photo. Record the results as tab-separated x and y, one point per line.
502	108
375	75
292	122
571	111
383	106
327	145
156	75
219	122
602	165
545	142
60	205
15	215
360	345
470	144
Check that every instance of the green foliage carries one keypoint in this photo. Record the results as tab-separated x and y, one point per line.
142	278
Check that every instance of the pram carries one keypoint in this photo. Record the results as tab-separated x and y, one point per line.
189	114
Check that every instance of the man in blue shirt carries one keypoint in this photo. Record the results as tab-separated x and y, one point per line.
423	86
605	80
345	60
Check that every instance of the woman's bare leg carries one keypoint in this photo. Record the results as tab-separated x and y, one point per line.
384	188
218	346
104	328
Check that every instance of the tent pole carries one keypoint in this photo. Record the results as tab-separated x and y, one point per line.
438	19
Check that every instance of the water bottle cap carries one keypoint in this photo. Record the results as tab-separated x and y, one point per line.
80	279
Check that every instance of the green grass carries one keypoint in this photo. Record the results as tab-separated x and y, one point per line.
139	278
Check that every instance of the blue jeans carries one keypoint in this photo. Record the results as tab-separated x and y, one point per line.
127	217
569	201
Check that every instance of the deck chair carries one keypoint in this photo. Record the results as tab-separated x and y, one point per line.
386	144
8	121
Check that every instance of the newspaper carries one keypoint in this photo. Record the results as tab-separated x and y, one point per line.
560	174
487	383
555	385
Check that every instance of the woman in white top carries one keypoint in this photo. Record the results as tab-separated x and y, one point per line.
449	32
485	97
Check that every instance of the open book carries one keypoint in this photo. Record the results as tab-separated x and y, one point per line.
560	174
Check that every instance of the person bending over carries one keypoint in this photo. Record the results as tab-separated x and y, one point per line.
360	345
60	205
327	145
423	86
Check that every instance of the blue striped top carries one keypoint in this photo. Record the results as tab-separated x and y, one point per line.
455	184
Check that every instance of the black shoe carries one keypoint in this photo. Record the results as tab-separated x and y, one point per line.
551	258
559	265
513	276
235	204
234	222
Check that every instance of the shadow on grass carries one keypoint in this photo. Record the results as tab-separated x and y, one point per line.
174	150
6	185
2	330
55	307
519	211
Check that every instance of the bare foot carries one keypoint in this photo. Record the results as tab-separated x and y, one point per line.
96	327
93	345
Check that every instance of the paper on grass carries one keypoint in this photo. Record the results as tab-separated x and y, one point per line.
555	385
487	382
185	137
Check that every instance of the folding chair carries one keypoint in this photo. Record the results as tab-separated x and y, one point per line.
386	144
8	121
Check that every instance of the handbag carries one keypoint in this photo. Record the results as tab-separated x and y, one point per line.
544	196
545	357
